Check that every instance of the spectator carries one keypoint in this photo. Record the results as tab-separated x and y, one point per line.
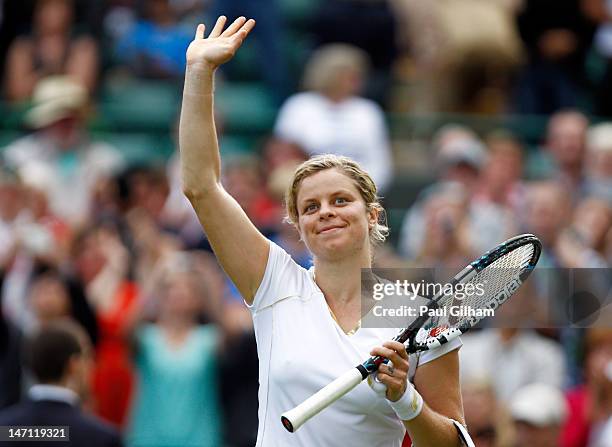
557	36
590	404
11	205
600	12
539	412
59	152
101	263
445	243
10	357
28	240
461	67
460	156
243	180
279	160
51	229
155	46
546	213
14	18
52	48
330	117
511	359
369	25
500	197
49	300
459	159
176	360
52	297
599	161
488	422
583	243
500	181
60	359
566	144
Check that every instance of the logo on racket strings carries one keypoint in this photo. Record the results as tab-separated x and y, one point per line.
501	297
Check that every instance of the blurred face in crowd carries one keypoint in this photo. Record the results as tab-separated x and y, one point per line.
479	409
444	215
346	82
66	133
183	296
547	211
49	298
463	173
567	138
593	220
148	190
91	256
11	199
598	357
279	152
528	435
458	156
53	16
243	183
503	168
332	217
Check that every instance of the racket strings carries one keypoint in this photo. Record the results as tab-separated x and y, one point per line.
487	284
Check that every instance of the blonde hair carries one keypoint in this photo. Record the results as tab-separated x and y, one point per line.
362	180
327	61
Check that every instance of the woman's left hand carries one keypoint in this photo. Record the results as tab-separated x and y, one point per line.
394	376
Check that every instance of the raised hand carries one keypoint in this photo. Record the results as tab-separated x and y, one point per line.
220	46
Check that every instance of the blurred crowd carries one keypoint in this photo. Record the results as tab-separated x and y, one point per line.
89	236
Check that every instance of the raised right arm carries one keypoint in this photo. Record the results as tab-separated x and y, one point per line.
240	248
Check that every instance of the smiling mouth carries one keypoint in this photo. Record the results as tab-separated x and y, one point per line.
329	230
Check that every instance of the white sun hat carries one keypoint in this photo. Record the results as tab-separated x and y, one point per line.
55	98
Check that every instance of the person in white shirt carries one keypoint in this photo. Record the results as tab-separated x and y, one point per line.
330	117
510	359
307	322
59	157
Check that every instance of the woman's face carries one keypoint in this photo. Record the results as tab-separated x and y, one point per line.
49	299
332	217
182	298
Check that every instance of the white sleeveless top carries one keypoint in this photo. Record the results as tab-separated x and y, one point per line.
301	349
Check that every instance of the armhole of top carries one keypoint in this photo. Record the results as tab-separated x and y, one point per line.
265	280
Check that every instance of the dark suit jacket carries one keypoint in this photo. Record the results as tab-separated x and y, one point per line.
85	430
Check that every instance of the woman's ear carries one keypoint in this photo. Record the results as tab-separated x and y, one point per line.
373	214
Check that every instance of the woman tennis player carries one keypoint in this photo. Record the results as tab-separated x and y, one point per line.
307	322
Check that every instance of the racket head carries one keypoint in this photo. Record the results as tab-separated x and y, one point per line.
500	272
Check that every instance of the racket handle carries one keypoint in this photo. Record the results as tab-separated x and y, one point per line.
293	419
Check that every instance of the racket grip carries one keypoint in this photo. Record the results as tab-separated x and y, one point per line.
293	419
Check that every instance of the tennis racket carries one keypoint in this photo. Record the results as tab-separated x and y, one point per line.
500	272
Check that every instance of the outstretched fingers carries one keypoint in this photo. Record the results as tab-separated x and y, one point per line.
216	31
235	26
245	29
200	31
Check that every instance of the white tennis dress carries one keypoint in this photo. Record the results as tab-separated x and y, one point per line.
301	349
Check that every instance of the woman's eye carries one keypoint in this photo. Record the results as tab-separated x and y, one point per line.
340	200
310	208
